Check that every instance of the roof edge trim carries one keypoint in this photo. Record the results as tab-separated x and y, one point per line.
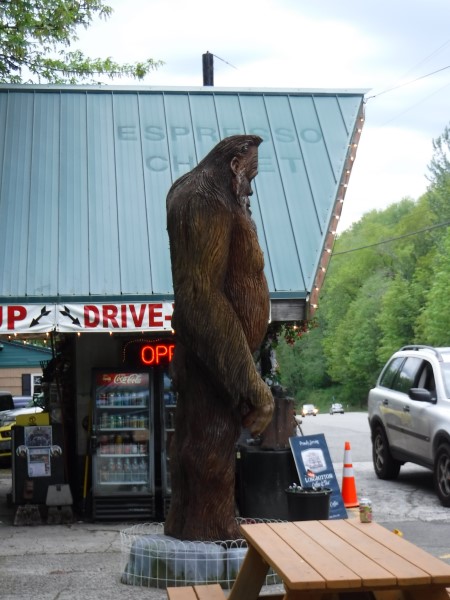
199	89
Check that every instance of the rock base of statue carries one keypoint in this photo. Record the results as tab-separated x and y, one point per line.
156	560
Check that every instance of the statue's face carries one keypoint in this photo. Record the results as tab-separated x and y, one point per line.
245	169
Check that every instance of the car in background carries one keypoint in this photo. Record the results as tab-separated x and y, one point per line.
6	401
409	415
21	401
336	407
7	422
309	410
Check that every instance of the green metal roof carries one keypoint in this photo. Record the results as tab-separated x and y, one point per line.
17	354
84	174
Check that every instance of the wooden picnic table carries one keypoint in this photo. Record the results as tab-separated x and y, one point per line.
317	558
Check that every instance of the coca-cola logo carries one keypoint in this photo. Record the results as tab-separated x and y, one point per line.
128	378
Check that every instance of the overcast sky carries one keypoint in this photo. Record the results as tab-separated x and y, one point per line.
346	44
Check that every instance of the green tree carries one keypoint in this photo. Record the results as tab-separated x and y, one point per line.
439	166
35	37
433	324
302	364
399	308
352	349
439	169
439	199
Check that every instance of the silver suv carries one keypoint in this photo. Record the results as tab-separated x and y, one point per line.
409	415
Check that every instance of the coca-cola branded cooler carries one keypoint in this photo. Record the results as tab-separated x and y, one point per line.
123	445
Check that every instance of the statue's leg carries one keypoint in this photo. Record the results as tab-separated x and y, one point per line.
203	462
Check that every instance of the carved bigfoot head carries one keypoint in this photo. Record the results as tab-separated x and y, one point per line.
245	168
234	160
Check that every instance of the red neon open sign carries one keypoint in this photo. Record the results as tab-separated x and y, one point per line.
157	354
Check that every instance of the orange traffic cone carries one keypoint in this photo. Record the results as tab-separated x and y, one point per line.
348	480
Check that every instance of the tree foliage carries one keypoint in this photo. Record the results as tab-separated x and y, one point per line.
388	285
439	166
36	37
434	321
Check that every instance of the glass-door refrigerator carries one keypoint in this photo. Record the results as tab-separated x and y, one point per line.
123	480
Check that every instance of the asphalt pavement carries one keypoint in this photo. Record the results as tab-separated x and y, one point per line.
80	560
84	560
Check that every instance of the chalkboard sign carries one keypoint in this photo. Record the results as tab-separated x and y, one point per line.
314	468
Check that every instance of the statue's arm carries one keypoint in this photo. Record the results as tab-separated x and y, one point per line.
206	321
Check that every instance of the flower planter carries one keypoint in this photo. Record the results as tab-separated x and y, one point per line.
308	504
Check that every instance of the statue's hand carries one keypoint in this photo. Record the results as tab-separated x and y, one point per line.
261	410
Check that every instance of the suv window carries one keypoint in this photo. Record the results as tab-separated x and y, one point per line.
426	378
407	376
390	372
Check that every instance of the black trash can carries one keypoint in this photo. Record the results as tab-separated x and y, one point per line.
308	504
262	477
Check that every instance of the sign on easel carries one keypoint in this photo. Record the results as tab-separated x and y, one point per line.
314	467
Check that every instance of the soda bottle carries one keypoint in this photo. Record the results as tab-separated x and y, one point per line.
119	470
104	421
104	472
112	470
142	470
127	470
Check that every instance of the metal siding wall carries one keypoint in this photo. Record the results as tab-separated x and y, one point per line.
305	227
230	120
229	115
43	256
281	249
4	258
157	181
349	106
335	133
104	267
73	265
15	195
3	115
206	127
135	274
183	154
315	155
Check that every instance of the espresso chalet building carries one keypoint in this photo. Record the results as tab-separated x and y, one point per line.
84	251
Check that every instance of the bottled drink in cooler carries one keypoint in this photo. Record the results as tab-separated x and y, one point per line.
135	469
111	470
127	470
143	470
119	470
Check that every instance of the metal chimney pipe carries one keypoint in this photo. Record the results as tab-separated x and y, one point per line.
208	68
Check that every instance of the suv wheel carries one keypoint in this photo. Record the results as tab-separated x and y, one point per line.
385	466
442	474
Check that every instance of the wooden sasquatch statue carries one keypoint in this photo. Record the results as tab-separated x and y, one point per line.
220	318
